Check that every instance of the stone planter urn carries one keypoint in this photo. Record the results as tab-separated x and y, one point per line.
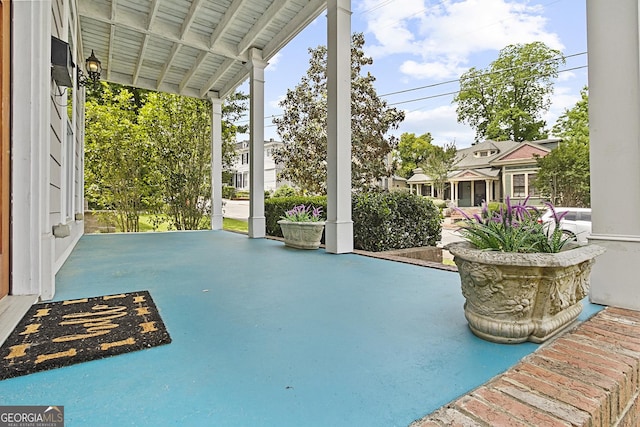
516	297
302	235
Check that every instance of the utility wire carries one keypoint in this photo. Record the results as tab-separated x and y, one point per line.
453	81
457	91
528	64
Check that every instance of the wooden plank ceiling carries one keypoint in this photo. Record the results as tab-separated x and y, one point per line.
197	48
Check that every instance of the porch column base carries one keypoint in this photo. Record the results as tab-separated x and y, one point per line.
614	281
338	237
257	227
216	222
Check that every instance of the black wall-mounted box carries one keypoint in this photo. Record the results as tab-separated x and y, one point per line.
61	62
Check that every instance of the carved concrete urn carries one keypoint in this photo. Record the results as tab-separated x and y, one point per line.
516	297
302	235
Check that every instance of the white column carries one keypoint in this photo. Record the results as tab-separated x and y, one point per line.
614	109
454	192
257	222
473	192
32	237
339	226
487	190
216	163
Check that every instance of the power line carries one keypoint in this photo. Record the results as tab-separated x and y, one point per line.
528	64
457	91
451	81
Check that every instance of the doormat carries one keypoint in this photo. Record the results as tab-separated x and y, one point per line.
56	334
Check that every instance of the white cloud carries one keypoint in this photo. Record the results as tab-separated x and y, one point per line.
430	70
564	98
441	122
273	62
274	103
445	35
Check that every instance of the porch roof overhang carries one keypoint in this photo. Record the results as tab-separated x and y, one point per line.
475	174
196	48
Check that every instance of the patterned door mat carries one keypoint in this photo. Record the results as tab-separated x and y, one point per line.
56	334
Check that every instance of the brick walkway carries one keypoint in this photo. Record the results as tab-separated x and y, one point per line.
587	377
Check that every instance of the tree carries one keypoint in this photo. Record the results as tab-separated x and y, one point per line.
573	124
413	151
303	126
507	100
438	164
167	139
119	172
180	129
564	173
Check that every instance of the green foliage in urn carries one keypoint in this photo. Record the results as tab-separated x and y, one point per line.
302	213
514	228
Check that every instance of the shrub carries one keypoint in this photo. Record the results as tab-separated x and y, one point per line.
228	192
495	206
396	220
275	207
381	221
440	204
284	191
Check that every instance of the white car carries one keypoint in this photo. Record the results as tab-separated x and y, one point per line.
576	222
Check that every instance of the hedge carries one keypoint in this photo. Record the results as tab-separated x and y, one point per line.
275	207
381	221
394	220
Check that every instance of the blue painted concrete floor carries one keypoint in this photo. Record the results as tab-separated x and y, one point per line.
264	335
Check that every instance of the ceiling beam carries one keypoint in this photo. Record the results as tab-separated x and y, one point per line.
188	20
311	11
224	23
216	76
247	42
167	65
268	16
193	70
163	31
153	10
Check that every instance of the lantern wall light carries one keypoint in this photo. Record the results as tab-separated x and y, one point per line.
93	67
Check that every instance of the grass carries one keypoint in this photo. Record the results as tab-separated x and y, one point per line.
237	225
228	224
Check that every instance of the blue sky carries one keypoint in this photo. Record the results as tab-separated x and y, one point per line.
416	43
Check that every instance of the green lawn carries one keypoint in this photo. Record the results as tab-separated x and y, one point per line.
231	224
146	224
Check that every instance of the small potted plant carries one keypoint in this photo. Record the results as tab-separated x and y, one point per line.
522	279
302	227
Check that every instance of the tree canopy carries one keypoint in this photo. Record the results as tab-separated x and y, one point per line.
119	165
413	151
303	126
151	152
507	100
438	164
564	173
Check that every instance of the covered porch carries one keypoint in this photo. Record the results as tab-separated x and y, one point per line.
270	336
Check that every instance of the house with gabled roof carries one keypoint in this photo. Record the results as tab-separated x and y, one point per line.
490	170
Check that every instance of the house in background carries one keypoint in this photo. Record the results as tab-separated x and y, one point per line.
490	170
241	163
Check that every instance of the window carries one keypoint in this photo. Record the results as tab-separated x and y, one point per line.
518	185
531	181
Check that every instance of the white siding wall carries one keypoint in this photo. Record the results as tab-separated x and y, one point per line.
66	139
